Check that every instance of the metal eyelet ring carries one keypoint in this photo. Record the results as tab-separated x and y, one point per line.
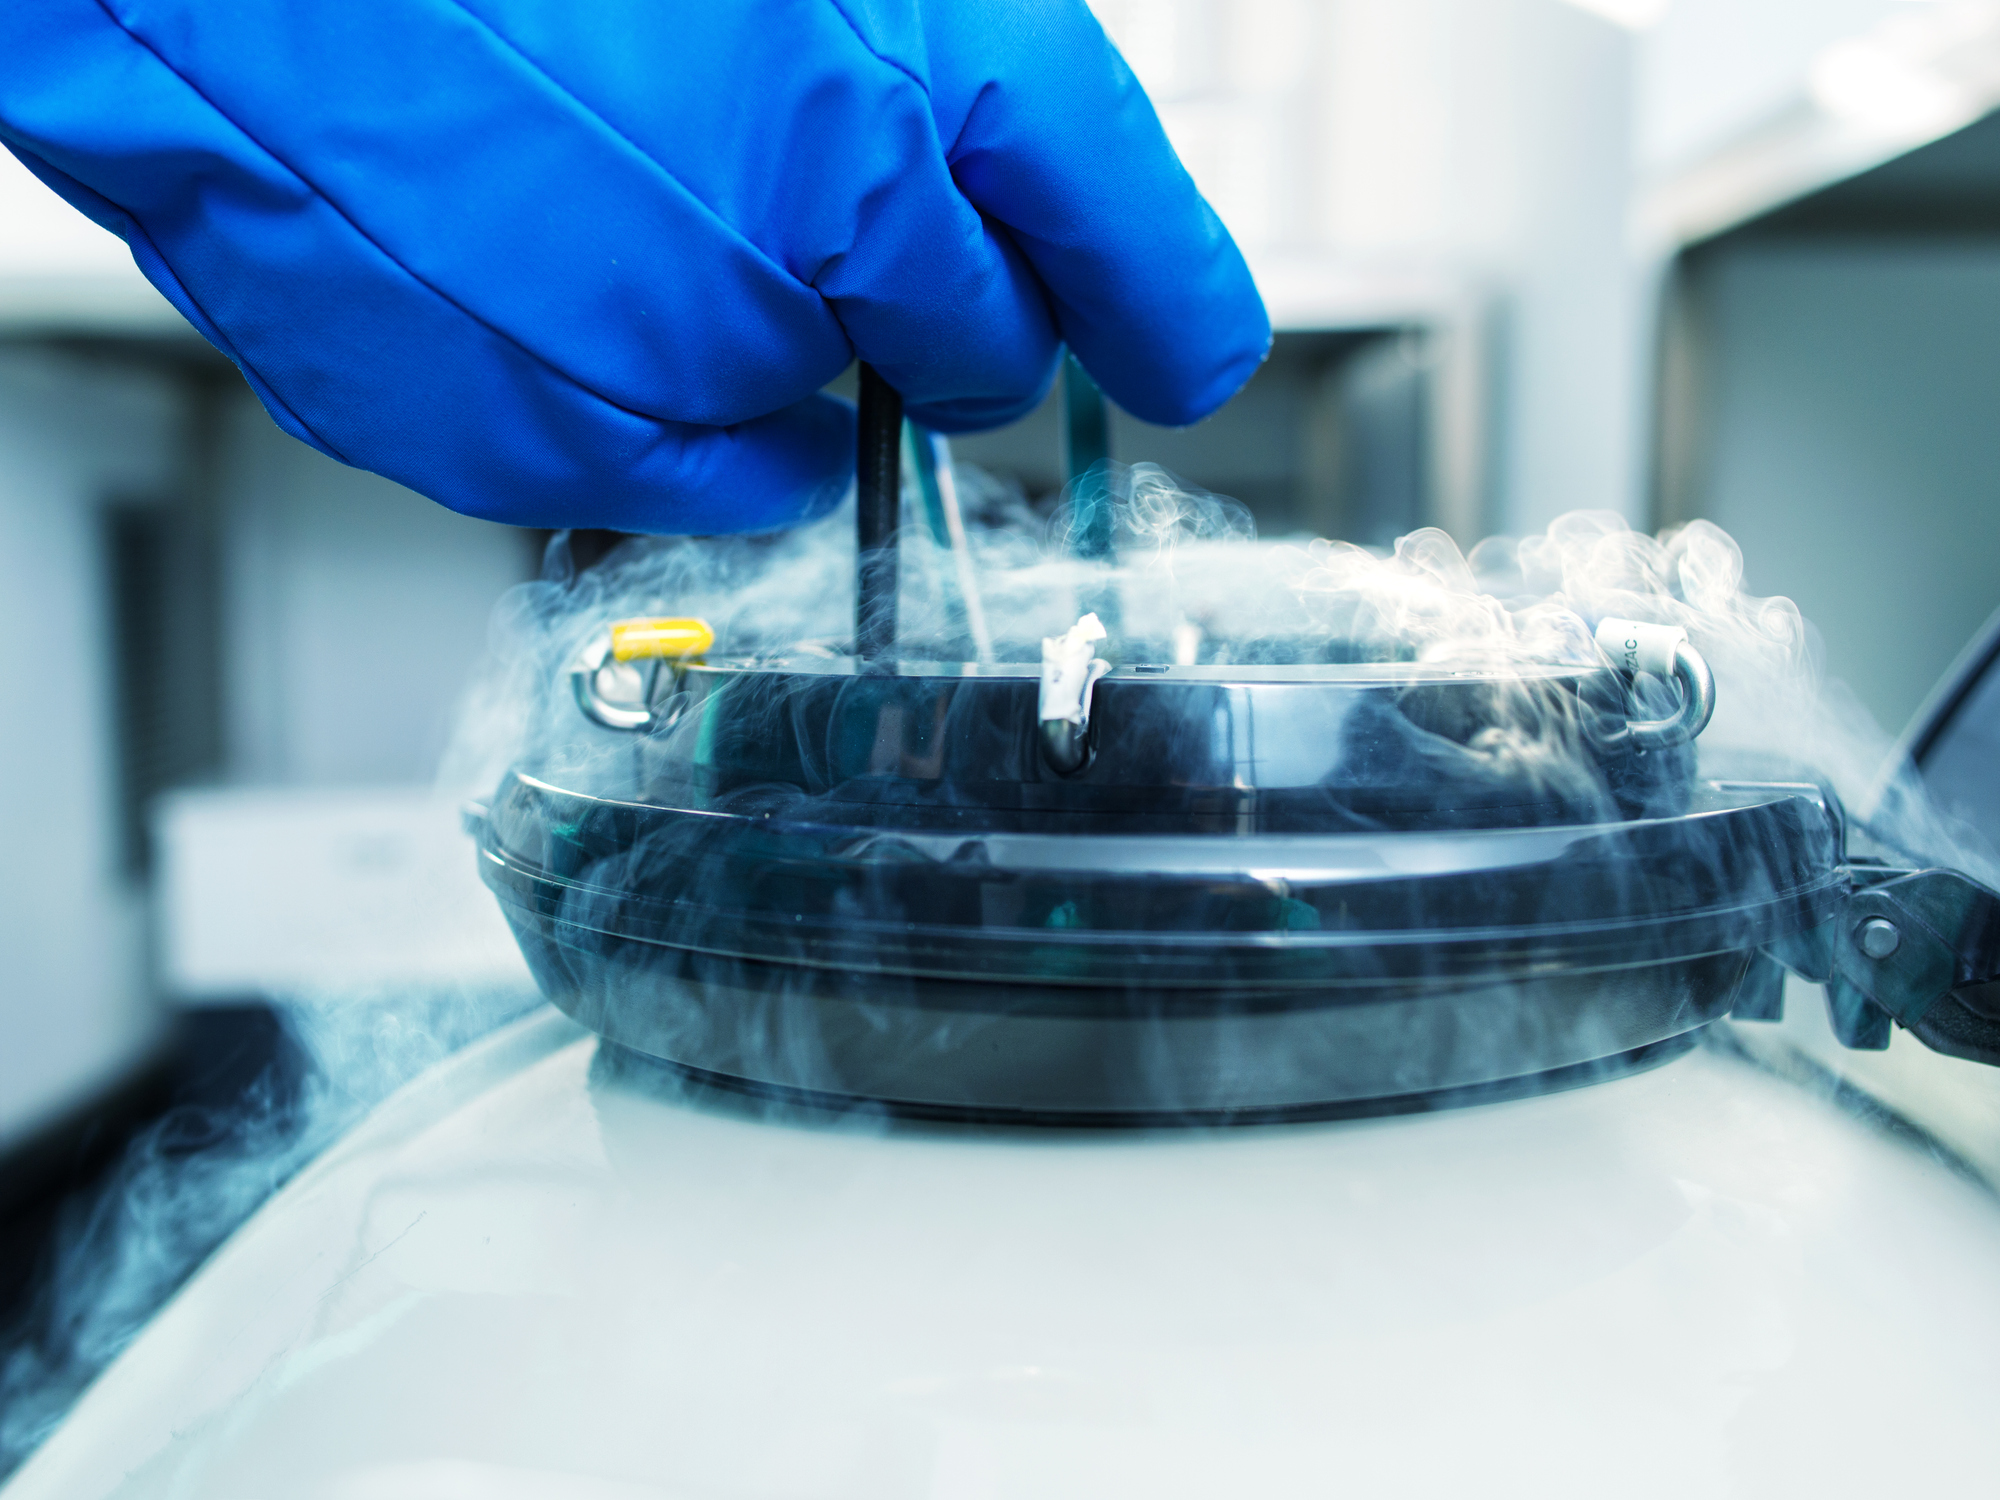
1697	685
1065	745
583	673
672	640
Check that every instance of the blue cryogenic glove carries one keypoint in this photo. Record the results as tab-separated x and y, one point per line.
589	264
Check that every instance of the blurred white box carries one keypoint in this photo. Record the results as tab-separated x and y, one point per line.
295	891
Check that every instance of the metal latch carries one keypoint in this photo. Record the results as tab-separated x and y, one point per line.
1920	948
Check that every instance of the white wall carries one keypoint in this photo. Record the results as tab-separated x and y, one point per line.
1574	375
1853	419
1532	154
60	273
355	611
1478	148
73	1008
1490	141
1712	70
1746	105
40	235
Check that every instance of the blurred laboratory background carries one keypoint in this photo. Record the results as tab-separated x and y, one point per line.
1674	258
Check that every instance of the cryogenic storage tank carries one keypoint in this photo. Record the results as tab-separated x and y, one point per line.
1156	1078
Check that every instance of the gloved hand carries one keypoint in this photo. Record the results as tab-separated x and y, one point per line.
563	264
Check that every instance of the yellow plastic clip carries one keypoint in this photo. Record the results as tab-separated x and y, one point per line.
636	640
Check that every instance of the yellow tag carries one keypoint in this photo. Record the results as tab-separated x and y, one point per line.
634	640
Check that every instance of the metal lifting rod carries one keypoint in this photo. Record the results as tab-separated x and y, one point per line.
878	492
1086	444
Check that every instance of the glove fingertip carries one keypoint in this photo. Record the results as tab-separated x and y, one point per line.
1174	376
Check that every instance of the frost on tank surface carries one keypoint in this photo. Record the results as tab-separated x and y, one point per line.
544	1271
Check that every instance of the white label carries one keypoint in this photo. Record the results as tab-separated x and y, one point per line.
1069	670
1636	647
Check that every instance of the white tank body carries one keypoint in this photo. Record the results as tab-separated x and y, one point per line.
519	1279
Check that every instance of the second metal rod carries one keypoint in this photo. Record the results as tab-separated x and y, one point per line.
878	494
